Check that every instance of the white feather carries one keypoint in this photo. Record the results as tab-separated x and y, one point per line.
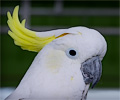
53	74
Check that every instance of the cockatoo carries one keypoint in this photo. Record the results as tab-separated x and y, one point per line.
69	60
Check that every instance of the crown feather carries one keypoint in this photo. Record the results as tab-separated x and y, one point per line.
24	37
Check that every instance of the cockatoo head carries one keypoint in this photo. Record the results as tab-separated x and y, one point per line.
68	53
79	49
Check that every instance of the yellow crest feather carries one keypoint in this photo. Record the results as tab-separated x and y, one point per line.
23	37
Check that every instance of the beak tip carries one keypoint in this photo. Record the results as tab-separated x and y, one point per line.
93	85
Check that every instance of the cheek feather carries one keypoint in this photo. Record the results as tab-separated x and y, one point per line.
55	59
72	78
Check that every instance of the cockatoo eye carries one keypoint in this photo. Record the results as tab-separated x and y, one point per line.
72	53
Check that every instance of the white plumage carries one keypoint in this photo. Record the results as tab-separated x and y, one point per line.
55	75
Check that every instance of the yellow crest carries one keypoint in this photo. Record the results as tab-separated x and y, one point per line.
27	39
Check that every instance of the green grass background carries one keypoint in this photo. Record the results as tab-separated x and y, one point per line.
15	61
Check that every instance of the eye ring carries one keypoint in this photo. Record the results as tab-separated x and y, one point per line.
72	53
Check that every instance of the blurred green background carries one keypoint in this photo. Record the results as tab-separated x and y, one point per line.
15	61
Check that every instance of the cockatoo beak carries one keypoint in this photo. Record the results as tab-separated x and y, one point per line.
91	70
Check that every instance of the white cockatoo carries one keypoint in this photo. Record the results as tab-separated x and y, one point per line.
67	62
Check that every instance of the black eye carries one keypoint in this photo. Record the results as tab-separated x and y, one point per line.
72	52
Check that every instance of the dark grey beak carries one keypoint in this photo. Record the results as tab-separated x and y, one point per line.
91	70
